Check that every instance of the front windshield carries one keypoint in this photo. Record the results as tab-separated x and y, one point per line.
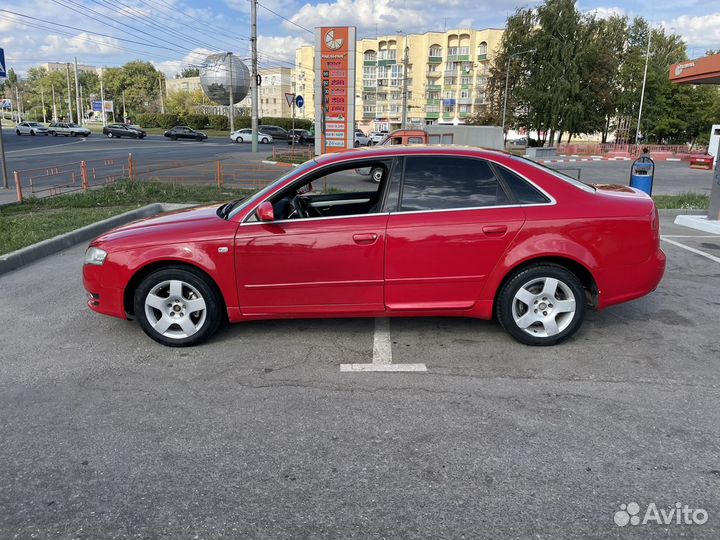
251	200
33	124
73	125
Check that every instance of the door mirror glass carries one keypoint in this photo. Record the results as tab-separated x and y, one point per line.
265	211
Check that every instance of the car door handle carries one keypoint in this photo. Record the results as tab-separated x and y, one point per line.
495	230
365	238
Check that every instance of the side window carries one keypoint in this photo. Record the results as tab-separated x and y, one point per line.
415	140
393	189
444	183
524	192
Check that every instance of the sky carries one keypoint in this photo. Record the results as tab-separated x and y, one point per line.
173	34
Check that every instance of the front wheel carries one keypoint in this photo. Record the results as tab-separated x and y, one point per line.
109	135
177	307
73	134
376	174
53	133
17	132
32	132
541	305
264	140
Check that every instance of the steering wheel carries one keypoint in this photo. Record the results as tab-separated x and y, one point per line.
298	208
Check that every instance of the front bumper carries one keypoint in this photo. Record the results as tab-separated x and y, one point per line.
101	298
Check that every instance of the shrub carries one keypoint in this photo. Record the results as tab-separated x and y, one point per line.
219	122
196	121
287	123
167	120
148	120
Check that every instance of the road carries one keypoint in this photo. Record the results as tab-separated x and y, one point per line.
191	161
259	434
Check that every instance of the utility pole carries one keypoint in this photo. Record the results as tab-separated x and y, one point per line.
78	106
507	79
69	94
254	82
102	99
232	101
124	113
42	100
55	116
642	92
19	105
162	103
403	124
81	113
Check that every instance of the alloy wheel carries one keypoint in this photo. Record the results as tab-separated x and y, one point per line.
544	307
175	309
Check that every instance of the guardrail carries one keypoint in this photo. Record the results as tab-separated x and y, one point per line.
88	174
598	149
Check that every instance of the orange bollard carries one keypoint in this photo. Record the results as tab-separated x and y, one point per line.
131	168
83	170
18	187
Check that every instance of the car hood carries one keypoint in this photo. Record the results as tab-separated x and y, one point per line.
178	226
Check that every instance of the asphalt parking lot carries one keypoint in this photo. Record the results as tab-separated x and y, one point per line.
259	434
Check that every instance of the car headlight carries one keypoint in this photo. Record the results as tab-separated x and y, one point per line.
96	256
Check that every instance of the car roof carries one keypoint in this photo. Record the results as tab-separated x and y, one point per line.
409	150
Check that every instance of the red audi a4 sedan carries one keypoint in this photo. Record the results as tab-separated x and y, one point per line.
448	231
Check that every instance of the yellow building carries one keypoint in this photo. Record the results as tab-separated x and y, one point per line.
447	74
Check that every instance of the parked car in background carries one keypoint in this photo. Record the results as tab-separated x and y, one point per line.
448	231
245	136
184	132
68	129
361	139
276	132
31	128
123	130
301	136
377	136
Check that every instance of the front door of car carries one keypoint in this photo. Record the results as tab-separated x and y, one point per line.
328	261
451	227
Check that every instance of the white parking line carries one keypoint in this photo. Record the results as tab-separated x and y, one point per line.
691	249
382	353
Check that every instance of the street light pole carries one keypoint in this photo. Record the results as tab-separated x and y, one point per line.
403	122
642	92
507	80
254	81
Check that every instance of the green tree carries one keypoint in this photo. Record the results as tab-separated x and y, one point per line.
190	72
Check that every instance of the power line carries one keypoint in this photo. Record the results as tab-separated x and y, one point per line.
285	19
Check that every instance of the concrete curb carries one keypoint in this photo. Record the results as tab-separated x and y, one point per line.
21	257
674	212
279	163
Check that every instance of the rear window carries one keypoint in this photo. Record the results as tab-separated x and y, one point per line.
446	183
523	191
557	174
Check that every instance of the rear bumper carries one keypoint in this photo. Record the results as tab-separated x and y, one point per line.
625	283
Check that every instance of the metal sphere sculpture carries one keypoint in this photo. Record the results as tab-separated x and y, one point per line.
216	80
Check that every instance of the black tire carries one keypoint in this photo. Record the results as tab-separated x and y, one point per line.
199	138
265	140
173	137
567	282
109	135
32	132
73	134
17	132
357	144
376	174
53	133
213	310
141	137
86	134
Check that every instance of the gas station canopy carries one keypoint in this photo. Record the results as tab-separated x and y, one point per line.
704	70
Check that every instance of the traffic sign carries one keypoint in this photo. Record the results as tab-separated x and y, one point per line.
3	71
299	102
289	97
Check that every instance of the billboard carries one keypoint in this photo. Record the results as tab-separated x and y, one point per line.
334	88
6	104
97	106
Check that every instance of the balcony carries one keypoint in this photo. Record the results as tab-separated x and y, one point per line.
367	114
465	101
433	74
432	102
434	60
432	115
482	57
459	58
369	62
434	87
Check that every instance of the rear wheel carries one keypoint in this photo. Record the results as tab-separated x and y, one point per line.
73	134
173	137
53	133
199	138
357	144
177	307
17	132
541	305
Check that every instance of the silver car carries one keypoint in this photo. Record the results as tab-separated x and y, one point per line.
30	128
68	129
361	139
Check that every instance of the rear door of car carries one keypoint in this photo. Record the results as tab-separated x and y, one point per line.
453	222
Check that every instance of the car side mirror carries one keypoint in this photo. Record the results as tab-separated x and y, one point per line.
265	211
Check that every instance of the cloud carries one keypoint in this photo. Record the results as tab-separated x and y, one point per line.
170	68
699	30
607	12
82	43
273	50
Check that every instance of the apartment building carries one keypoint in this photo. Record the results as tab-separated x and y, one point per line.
182	84
62	67
276	82
447	74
